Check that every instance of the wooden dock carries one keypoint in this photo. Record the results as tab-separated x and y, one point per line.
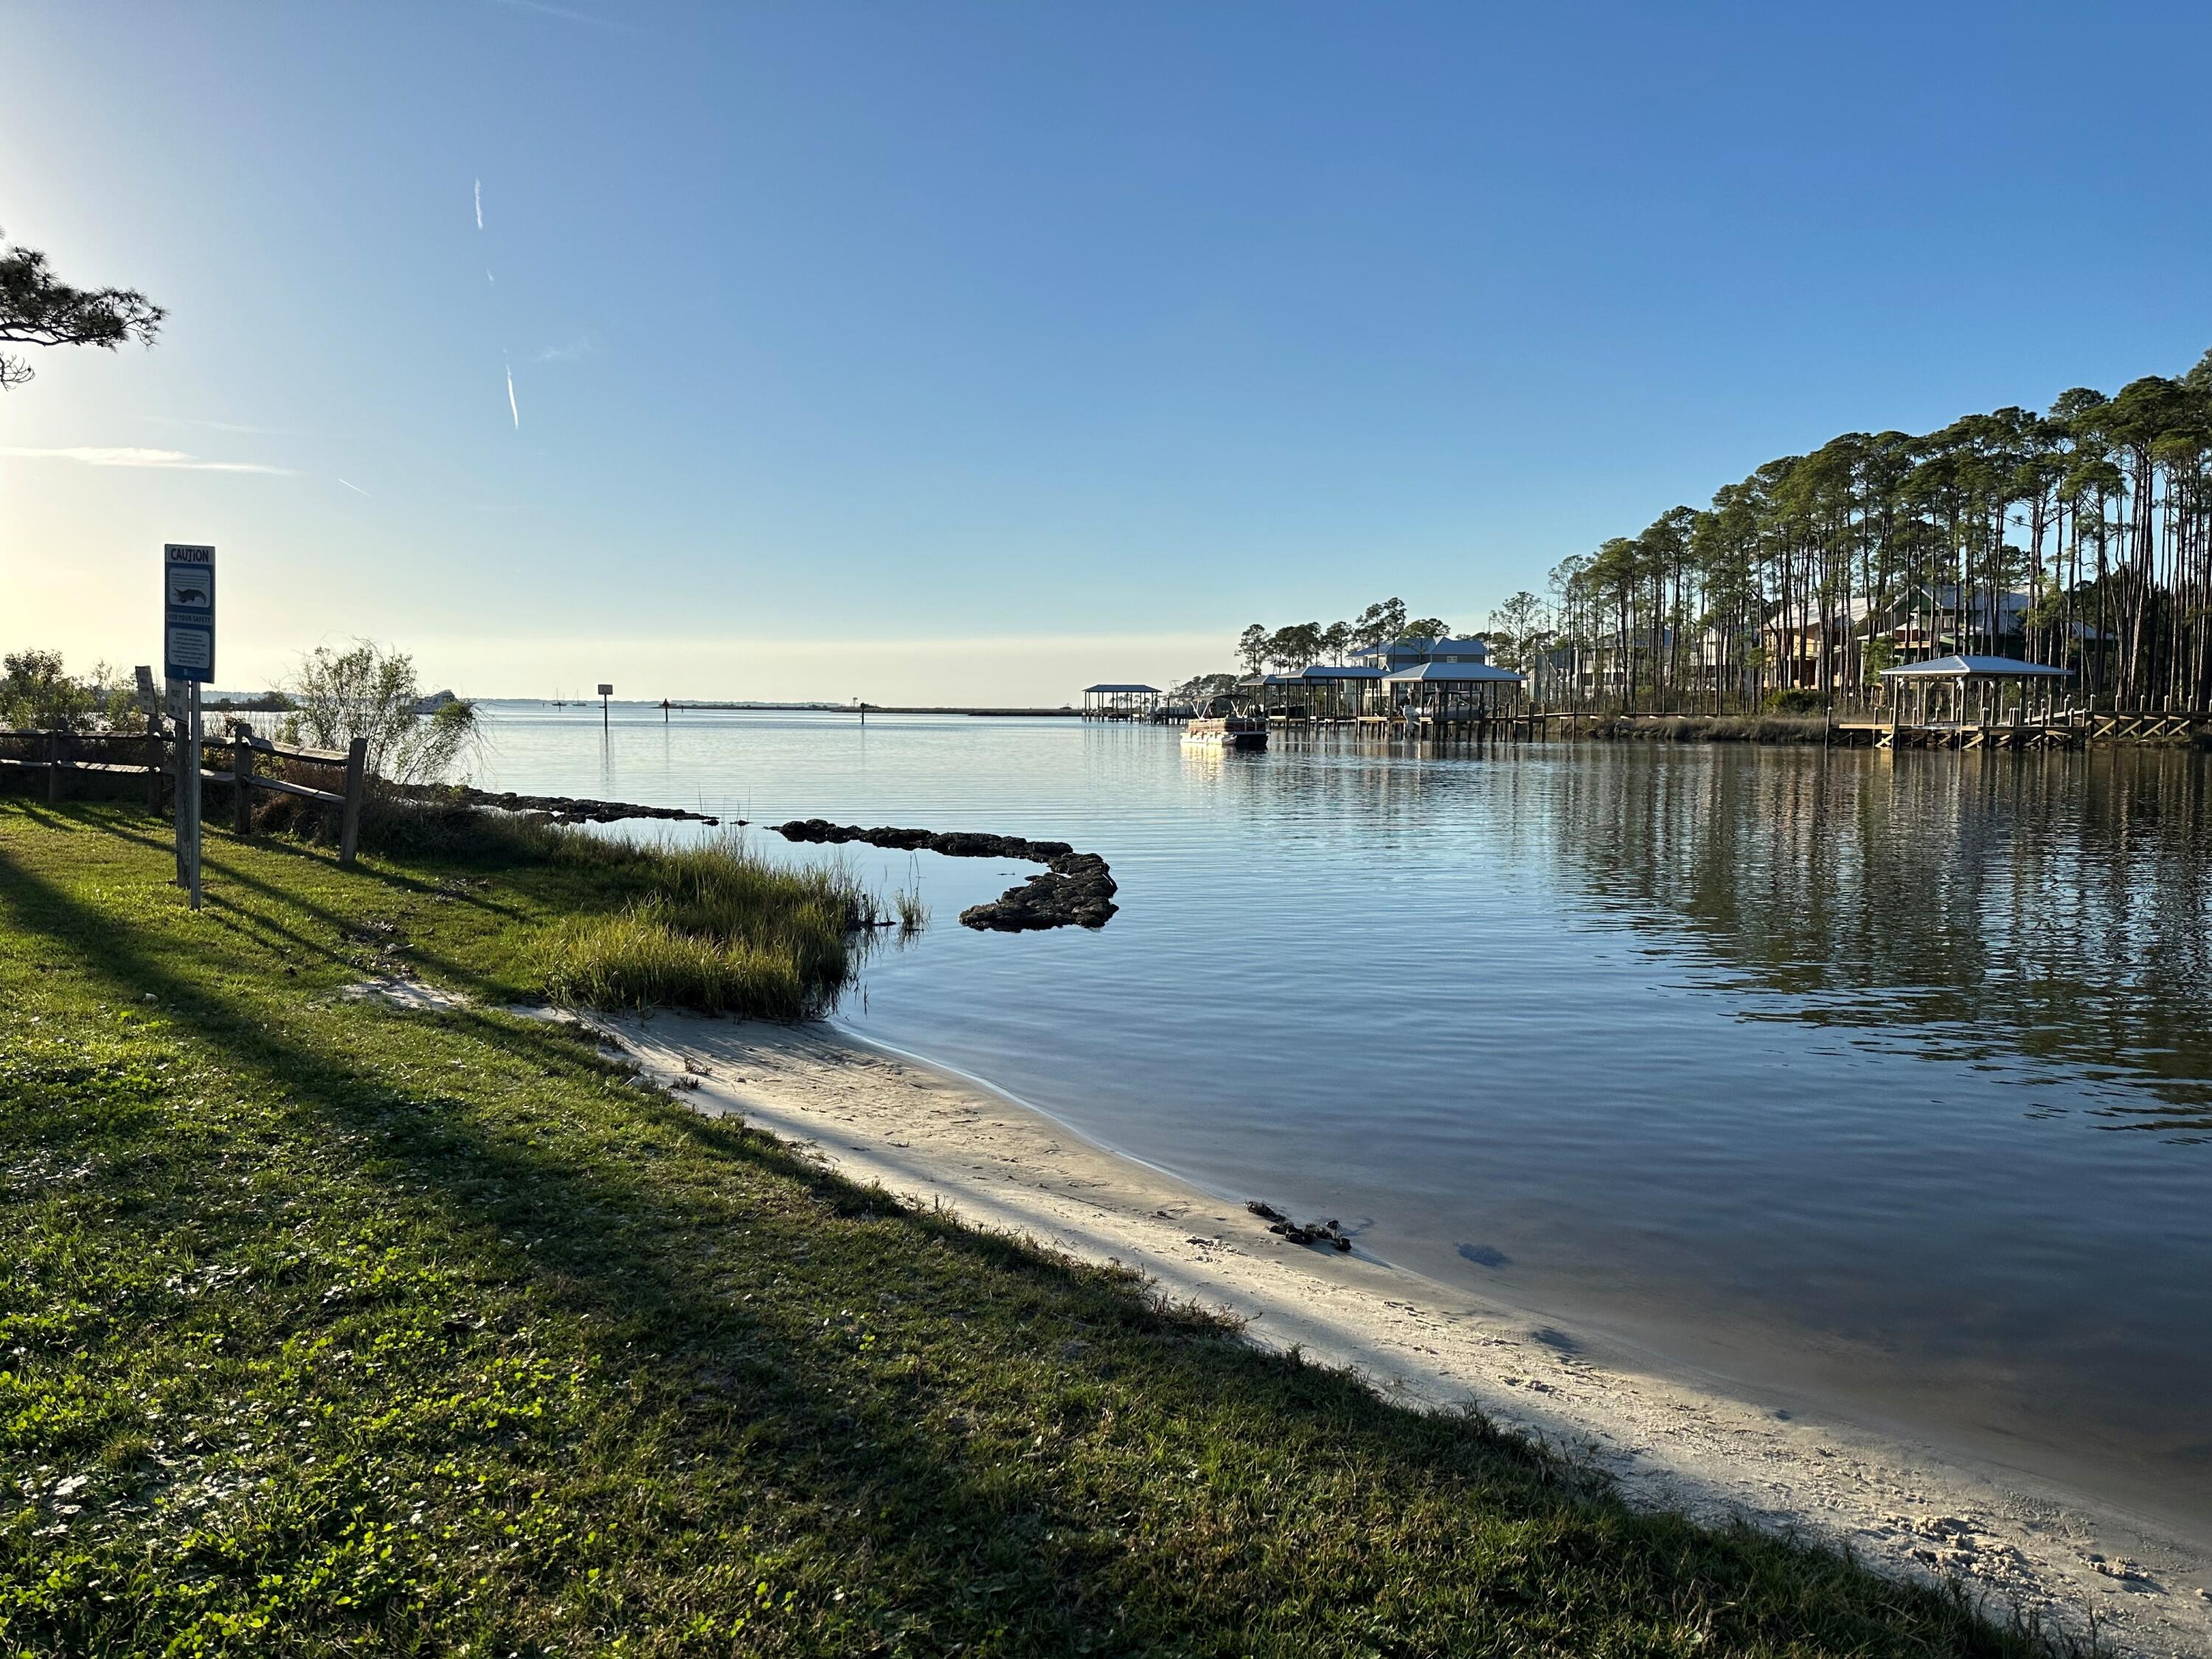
1457	726
2072	728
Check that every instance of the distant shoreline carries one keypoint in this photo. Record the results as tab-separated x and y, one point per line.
1064	712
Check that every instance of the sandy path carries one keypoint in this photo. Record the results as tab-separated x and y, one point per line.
931	1136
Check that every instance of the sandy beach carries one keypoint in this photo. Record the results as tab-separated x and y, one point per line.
1674	1440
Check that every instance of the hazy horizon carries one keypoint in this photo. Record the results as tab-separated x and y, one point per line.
966	354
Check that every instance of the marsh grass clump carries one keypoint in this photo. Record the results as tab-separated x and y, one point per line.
714	928
912	914
717	929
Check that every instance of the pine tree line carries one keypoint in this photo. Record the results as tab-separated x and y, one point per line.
2080	537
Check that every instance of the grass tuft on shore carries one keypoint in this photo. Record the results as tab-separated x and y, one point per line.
329	1329
721	932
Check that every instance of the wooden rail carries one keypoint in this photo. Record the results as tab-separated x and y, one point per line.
58	756
2065	728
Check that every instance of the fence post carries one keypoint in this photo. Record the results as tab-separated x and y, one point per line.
53	767
241	786
156	761
355	783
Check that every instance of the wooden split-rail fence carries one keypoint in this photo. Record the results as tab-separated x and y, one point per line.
156	757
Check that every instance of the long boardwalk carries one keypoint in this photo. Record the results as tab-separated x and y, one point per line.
1479	726
2065	729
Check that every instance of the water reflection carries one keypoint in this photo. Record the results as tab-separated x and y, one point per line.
1967	907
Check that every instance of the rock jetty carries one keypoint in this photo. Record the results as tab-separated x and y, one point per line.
562	809
1073	890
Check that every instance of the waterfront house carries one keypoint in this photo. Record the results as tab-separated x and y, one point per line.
1829	645
1395	654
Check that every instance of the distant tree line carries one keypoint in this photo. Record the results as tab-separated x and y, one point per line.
2080	537
1301	645
1263	650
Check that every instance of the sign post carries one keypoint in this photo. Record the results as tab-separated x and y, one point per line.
188	660
605	691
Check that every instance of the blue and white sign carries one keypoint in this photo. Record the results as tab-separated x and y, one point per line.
188	612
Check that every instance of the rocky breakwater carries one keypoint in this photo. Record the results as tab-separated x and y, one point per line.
562	809
1074	889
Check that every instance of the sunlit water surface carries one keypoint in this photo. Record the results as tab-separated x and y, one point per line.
1880	1083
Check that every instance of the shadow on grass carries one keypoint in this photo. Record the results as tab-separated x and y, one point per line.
38	814
1244	1503
283	844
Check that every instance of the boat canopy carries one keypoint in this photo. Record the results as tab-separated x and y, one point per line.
1458	674
1982	668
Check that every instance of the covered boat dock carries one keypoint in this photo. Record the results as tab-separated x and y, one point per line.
1971	702
1120	702
1454	699
1321	695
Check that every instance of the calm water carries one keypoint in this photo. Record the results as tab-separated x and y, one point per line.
1880	1083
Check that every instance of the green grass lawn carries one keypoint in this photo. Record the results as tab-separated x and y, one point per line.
325	1329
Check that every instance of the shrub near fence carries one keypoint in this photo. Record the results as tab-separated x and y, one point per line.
59	760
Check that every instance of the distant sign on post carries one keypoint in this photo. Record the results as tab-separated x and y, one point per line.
188	612
606	691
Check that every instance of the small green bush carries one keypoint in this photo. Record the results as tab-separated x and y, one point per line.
371	692
1710	728
1795	700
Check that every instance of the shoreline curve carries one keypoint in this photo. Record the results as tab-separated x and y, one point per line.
933	1134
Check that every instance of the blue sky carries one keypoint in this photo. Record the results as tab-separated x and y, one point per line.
978	351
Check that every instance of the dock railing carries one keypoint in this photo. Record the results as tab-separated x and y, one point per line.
62	755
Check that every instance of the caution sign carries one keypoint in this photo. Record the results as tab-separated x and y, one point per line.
188	611
190	653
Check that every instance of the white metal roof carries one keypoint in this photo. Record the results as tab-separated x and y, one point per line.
1953	668
1456	672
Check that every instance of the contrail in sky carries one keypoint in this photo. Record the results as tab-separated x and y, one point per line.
544	9
353	487
511	407
479	205
111	455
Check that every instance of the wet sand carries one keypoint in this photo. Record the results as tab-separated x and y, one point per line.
1670	1439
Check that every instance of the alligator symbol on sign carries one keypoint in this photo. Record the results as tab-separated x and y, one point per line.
189	596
